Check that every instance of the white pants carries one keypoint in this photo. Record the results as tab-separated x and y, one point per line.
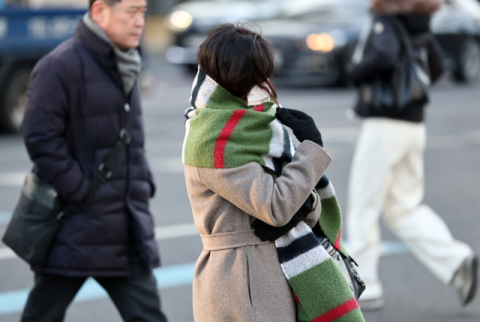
387	177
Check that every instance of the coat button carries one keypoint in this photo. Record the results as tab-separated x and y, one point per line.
124	257
127	198
127	107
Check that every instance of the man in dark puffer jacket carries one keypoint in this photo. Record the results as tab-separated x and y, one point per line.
387	169
80	96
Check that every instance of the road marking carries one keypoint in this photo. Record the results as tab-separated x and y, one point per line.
174	231
6	253
12	179
167	277
5	217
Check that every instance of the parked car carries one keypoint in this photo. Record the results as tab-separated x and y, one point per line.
314	40
457	28
25	36
318	38
191	22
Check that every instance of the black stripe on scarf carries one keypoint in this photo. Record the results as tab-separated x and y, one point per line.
323	183
286	155
297	248
200	80
278	165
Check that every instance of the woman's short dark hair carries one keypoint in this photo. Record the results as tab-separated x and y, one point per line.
238	59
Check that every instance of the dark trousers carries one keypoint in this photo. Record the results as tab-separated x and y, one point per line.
136	298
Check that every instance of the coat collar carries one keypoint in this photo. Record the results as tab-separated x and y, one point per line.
94	43
101	51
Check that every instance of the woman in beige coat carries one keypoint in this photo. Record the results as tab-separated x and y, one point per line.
238	276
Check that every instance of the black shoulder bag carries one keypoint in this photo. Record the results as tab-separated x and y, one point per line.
408	82
38	216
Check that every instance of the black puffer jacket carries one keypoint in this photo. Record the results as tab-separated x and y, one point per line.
75	112
381	52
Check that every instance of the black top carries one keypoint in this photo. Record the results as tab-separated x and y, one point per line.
381	52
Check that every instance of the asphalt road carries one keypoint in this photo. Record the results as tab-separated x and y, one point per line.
412	294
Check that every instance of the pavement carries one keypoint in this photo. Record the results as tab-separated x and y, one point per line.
412	294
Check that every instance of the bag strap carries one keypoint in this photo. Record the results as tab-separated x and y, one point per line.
104	170
404	36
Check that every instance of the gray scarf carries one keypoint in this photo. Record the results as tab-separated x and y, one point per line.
129	61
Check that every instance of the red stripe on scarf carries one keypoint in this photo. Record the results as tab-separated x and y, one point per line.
258	108
218	152
337	241
338	312
296	298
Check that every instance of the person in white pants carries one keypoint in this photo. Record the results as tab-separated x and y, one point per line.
387	176
387	171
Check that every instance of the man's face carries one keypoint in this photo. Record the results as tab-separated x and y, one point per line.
124	22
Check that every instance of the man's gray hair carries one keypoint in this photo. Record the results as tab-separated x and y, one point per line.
109	2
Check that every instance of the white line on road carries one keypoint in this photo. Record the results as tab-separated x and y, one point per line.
12	179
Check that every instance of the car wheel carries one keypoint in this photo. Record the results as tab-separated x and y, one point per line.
14	100
468	67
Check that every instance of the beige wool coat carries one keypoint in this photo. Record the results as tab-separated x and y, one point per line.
238	277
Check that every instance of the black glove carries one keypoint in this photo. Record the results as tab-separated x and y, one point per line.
266	232
301	124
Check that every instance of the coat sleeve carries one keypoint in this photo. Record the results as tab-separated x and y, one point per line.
259	194
44	128
381	52
435	60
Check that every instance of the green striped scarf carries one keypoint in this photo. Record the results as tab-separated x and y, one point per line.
222	131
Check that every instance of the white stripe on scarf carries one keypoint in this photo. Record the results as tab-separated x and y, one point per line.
327	192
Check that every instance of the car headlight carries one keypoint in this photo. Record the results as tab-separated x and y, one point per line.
180	20
321	42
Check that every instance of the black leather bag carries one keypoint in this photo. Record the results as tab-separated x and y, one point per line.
34	225
409	81
39	214
347	266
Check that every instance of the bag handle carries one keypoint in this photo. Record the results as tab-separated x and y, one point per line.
104	170
409	41
404	36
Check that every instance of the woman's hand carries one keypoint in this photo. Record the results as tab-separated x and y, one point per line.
266	232
301	124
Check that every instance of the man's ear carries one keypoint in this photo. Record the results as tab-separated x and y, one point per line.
98	12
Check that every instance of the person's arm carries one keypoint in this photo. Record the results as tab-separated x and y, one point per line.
308	212
381	52
44	132
435	60
257	193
